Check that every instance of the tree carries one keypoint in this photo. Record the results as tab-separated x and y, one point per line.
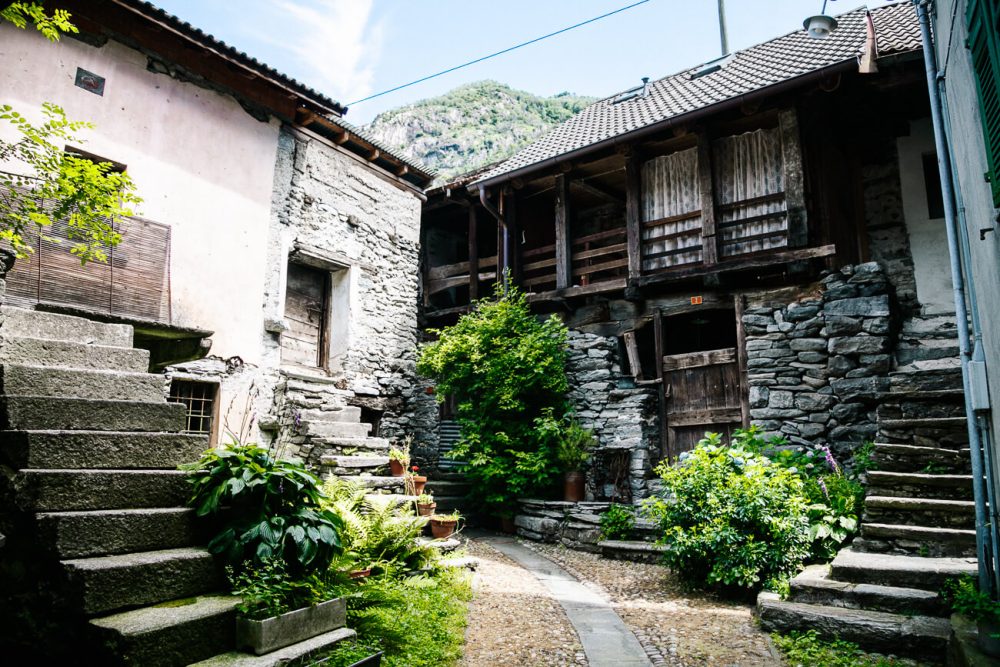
41	183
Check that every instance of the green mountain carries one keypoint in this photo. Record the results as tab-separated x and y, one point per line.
472	125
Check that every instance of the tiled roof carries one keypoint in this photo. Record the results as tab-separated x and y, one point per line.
783	59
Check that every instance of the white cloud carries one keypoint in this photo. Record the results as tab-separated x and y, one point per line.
336	43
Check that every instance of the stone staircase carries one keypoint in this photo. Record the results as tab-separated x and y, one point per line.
101	561
917	531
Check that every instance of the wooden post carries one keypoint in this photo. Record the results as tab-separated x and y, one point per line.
513	235
473	255
709	241
634	360
795	198
564	255
665	448
633	212
739	302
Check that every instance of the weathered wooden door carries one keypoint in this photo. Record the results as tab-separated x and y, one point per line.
702	394
304	344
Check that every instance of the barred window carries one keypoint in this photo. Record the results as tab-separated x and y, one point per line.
199	399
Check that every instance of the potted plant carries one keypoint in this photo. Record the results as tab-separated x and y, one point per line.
414	482
425	504
964	597
278	609
399	458
443	525
573	445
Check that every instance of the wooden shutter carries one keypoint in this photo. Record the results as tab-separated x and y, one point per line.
984	45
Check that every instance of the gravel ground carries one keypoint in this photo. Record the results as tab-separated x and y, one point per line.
512	618
685	629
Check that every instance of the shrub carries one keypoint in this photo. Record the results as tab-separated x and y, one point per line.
268	589
962	595
270	508
807	649
735	520
617	522
569	441
506	368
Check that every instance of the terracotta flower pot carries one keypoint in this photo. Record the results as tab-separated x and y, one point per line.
442	528
574	487
360	574
396	468
419	482
426	509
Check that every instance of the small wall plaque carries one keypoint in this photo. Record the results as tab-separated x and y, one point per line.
89	81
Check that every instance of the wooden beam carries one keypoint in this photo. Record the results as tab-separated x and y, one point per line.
757	261
632	350
473	255
739	304
633	213
665	449
374	155
403	170
676	362
709	241
583	290
795	198
564	256
600	193
340	138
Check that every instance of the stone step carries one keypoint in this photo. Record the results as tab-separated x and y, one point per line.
337	461
899	570
79	490
928	460
633	550
345	414
922	424
333	429
108	583
350	446
930	326
297	654
444	488
926	379
177	632
64	353
53	326
23	380
896	634
380	483
104	532
924	541
85	414
919	485
927	349
920	409
920	511
814	585
100	449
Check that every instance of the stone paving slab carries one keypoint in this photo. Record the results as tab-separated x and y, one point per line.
606	640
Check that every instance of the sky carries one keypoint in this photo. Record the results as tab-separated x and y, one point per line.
350	49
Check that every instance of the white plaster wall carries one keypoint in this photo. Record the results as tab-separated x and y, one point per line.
201	163
928	241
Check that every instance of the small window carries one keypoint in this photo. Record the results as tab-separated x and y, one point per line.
199	400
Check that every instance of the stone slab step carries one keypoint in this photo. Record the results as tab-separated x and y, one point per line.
894	409
108	583
350	446
920	512
84	414
916	540
926	379
100	449
636	550
375	482
814	585
294	654
25	380
899	570
64	353
53	326
106	532
923	424
447	488
177	632
333	429
896	634
346	414
928	460
919	485
76	490
339	462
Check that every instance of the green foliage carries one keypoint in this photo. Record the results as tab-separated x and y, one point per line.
399	455
20	14
473	125
268	589
570	442
418	621
735	519
506	368
344	654
962	595
271	508
425	498
864	458
377	534
617	522
806	649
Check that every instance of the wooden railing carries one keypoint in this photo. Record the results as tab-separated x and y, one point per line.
599	257
441	278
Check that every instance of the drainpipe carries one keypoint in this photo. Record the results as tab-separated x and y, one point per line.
985	558
492	210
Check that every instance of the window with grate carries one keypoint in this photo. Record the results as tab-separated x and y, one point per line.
983	18
199	400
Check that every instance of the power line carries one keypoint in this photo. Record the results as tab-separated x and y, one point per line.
499	53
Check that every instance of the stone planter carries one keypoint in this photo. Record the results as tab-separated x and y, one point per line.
443	528
574	487
427	509
371	661
290	628
396	468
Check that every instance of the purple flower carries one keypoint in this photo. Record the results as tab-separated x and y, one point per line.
297	419
822	485
830	461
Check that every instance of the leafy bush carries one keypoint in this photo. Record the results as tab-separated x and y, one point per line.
506	368
808	650
617	522
270	508
735	520
570	442
268	589
962	595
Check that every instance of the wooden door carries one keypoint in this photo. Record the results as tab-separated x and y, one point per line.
304	343
703	393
